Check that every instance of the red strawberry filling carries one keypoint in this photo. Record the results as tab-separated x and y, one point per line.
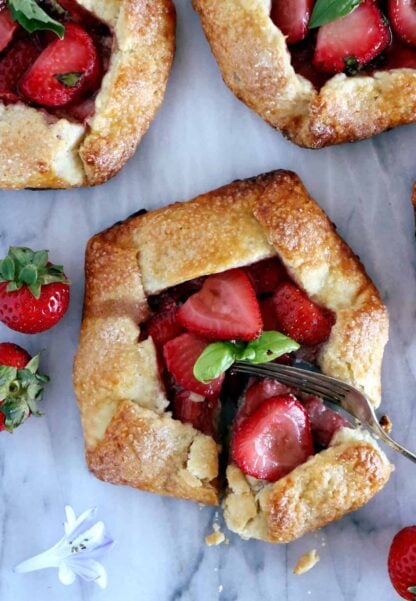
61	76
273	440
276	428
374	36
225	308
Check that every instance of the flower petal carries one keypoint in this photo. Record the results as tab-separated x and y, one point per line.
71	519
88	539
99	550
88	569
84	522
66	574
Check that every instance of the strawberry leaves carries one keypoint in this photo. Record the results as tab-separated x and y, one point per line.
326	11
20	391
33	18
23	266
220	356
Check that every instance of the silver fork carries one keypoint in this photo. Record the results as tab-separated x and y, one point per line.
330	389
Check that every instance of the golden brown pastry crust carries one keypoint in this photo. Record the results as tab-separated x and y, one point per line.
122	402
38	151
255	63
330	484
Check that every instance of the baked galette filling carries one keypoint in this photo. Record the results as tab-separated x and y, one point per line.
326	37
53	56
256	314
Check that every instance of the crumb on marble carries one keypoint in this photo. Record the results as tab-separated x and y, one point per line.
216	537
306	562
220	588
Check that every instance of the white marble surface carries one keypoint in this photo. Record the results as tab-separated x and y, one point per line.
204	137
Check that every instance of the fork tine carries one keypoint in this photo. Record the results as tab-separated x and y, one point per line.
350	399
318	378
292	379
332	386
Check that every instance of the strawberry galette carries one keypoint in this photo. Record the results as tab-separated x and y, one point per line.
252	272
321	71
80	82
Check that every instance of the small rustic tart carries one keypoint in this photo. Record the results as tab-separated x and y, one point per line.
313	107
143	429
59	130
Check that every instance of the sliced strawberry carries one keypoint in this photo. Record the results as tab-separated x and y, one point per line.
225	308
268	314
324	422
266	275
64	71
8	28
300	318
15	64
177	294
181	354
274	440
164	327
191	408
82	111
402	15
258	392
350	42
302	62
400	56
292	18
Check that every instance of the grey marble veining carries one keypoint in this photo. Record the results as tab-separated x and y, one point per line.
203	137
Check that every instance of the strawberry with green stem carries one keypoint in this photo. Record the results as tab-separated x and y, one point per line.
21	386
34	293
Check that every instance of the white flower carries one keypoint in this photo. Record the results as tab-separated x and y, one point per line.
77	552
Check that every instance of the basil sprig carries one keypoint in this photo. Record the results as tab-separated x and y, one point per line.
33	18
326	11
220	356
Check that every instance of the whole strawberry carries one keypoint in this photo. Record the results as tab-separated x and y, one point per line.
402	563
21	386
34	294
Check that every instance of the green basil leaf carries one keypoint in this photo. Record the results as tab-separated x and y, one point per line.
214	361
248	354
326	11
270	346
33	18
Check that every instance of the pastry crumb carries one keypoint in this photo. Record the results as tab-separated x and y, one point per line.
220	588
386	424
215	538
306	562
